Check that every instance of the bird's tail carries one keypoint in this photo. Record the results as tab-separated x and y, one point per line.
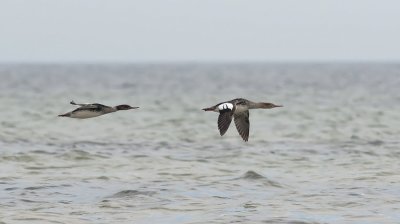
208	109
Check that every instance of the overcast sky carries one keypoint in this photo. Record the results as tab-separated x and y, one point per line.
199	30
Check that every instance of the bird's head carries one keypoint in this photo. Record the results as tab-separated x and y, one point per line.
125	107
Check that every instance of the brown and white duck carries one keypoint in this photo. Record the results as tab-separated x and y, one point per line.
89	110
239	110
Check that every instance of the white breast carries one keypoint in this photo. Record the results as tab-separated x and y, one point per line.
225	106
82	114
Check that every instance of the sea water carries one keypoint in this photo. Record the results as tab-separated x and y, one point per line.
330	155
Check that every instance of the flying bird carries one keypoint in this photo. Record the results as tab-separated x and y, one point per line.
239	110
89	110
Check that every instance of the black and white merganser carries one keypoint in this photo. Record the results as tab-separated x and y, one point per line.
88	110
239	110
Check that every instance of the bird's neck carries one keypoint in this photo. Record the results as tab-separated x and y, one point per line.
112	109
254	105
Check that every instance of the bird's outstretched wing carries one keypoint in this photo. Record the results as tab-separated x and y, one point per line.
88	106
92	107
225	117
224	120
243	124
79	104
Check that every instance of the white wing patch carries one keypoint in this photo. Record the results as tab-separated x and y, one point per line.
225	106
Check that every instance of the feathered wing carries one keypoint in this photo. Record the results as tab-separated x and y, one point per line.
243	124
224	120
92	107
88	107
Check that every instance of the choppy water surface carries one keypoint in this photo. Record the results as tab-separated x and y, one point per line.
331	155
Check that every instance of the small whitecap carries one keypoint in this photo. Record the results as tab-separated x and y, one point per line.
224	106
